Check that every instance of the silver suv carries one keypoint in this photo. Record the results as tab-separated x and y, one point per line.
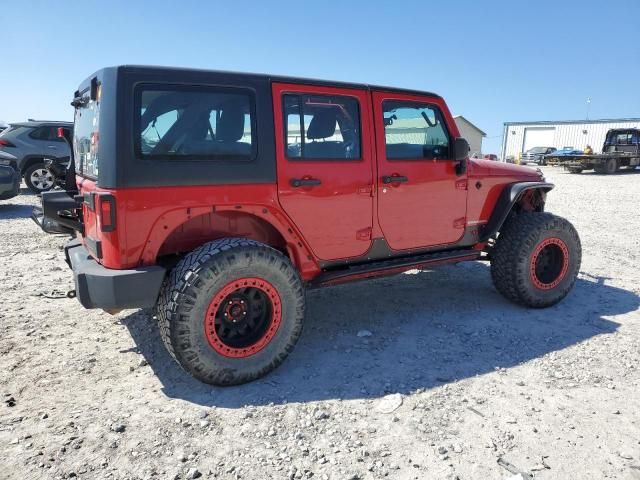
28	144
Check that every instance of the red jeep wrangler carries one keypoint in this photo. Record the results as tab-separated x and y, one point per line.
218	198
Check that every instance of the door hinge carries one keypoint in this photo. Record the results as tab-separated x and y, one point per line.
367	190
462	184
460	222
364	234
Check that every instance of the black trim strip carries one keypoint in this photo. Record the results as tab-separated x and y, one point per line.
94	246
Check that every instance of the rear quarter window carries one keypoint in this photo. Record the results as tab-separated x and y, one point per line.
195	123
85	138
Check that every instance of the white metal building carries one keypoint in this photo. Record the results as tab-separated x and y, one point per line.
518	137
471	133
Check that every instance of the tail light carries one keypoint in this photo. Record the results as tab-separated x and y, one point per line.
6	143
107	213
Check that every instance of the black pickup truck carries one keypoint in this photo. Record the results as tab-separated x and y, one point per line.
621	149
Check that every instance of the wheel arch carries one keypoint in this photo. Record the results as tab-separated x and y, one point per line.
527	196
178	232
30	160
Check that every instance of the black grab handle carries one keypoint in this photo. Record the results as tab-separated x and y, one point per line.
304	182
394	179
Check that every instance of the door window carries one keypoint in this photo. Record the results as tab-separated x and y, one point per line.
321	127
414	131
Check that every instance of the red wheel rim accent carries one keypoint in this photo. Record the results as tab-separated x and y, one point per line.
549	263
243	317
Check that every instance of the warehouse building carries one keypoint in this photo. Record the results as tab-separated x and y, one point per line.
471	133
518	137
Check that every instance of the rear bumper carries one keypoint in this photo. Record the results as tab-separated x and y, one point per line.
109	289
9	182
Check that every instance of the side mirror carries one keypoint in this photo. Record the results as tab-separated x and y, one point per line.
461	153
460	149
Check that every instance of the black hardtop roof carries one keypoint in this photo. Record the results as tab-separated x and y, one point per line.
271	78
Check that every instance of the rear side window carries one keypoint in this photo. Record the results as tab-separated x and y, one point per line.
414	131
85	137
322	127
195	123
13	130
46	133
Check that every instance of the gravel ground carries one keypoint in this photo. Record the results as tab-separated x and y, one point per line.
426	375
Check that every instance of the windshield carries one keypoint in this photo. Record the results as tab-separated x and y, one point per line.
85	137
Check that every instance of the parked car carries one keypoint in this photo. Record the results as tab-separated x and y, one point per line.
221	197
567	151
536	155
491	156
9	179
29	143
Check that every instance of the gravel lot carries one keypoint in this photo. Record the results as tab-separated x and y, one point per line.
426	375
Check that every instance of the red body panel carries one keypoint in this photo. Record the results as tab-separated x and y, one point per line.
430	208
331	216
486	181
152	222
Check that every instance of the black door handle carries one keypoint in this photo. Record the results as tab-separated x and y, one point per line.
304	182
394	179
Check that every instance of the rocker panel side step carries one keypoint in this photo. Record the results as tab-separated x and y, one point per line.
392	267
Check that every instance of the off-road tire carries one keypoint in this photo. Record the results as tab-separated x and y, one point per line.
514	251
188	290
27	178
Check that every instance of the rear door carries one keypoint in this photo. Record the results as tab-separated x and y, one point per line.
39	141
324	164
422	201
85	149
55	146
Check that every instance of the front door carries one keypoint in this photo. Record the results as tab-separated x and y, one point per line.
324	163
422	200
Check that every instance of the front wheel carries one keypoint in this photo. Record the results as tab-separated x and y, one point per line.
536	259
231	311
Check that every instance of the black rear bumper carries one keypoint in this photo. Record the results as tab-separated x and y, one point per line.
109	289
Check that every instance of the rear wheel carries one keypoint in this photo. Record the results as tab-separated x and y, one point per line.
536	259
609	167
231	311
38	178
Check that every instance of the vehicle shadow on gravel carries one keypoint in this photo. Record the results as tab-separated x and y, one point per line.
10	211
402	333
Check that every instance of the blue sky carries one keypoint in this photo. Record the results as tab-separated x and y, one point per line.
494	61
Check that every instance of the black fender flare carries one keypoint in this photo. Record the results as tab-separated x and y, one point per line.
508	198
29	160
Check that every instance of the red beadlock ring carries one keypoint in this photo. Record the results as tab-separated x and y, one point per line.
544	250
234	304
